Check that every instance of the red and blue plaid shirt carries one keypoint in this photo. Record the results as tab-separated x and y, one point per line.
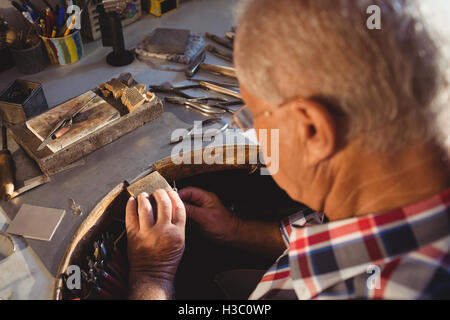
399	254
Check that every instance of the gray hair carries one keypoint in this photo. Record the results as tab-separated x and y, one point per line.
390	84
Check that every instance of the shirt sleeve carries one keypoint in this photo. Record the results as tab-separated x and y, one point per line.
298	220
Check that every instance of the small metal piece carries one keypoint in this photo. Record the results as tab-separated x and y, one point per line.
192	69
103	250
76	209
174	186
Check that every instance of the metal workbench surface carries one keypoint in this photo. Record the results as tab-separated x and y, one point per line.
128	156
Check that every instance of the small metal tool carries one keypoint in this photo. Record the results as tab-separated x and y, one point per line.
191	131
202	108
166	87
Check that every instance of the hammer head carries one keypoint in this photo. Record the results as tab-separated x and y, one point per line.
193	68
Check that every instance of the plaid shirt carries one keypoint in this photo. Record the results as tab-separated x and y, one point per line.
399	254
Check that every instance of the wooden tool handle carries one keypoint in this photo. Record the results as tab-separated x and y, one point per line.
219	89
226	71
6	175
62	131
219	40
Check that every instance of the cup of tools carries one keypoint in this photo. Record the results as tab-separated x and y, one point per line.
64	50
31	59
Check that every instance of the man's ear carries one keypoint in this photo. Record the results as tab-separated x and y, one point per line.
317	129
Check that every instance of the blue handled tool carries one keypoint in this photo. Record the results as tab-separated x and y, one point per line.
61	13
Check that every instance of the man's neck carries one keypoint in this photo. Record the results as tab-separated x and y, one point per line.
372	183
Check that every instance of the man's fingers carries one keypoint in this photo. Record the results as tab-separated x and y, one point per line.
145	211
178	210
195	195
195	213
131	216
164	206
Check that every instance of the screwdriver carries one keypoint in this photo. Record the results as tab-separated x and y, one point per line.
6	168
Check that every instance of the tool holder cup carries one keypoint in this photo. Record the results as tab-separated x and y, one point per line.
30	60
64	50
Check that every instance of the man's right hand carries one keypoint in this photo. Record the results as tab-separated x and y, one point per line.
224	227
206	209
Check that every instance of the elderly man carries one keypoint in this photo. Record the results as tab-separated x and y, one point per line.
357	110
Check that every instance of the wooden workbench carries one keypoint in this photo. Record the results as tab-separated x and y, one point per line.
128	156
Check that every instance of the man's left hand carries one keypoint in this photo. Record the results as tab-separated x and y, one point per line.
155	242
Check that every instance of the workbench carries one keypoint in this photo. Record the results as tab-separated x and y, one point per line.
25	275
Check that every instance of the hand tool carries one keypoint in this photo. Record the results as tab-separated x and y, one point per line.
220	89
202	108
34	8
61	13
222	84
28	16
230	35
64	125
168	88
48	5
108	267
191	132
34	15
6	167
112	283
70	26
31	184
198	64
220	53
202	84
226	43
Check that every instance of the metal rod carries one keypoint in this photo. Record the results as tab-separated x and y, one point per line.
4	137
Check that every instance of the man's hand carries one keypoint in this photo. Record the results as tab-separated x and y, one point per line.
155	243
221	225
209	213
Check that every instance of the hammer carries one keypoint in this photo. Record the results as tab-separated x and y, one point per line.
198	64
6	168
